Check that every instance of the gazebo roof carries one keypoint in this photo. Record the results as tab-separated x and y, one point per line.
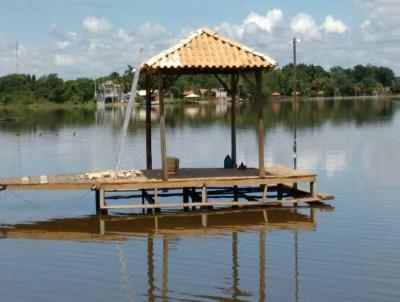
205	50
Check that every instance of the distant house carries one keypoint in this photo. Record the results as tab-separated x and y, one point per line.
220	93
141	92
192	96
109	92
187	92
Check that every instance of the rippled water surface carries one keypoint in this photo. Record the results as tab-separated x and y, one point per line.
54	247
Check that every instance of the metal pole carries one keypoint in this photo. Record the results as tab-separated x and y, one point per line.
295	106
149	160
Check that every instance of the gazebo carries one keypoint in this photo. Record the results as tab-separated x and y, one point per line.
207	52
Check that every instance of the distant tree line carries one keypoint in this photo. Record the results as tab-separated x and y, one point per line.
314	80
27	89
311	81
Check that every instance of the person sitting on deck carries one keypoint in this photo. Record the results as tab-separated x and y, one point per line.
228	162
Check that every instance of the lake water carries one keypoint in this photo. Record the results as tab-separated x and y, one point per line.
54	248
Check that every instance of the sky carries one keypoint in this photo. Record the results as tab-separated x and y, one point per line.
88	38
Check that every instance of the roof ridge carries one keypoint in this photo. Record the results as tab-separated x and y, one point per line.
175	47
241	46
211	33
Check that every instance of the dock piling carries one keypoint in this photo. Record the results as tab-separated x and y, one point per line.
149	161
100	202
260	124
185	194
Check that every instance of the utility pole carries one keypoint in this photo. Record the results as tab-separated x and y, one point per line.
295	106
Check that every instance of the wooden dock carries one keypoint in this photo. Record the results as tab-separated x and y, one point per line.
198	187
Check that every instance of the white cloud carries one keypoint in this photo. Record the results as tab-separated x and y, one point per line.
382	22
364	26
64	60
267	22
97	55
231	30
334	26
99	48
96	25
124	36
63	44
305	25
253	24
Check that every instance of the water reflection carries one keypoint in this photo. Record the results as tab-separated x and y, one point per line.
177	227
311	113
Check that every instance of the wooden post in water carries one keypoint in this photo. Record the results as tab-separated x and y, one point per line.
149	161
185	198
235	267
313	215
100	202
279	191
233	118
162	128
165	268
97	197
260	123
150	267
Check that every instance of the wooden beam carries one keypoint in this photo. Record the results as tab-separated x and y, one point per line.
234	79
148	197
260	123
264	195
149	160
162	129
175	71
222	83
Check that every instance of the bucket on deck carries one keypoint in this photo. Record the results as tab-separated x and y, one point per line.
172	165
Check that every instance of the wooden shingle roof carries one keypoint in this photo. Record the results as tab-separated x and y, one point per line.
206	50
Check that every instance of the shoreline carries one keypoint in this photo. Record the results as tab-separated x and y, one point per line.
93	105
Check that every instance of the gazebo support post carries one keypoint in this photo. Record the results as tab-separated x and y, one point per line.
149	164
162	127
233	118
260	123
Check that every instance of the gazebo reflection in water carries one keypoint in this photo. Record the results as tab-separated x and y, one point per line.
176	227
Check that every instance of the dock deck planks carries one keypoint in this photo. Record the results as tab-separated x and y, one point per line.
150	179
148	182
